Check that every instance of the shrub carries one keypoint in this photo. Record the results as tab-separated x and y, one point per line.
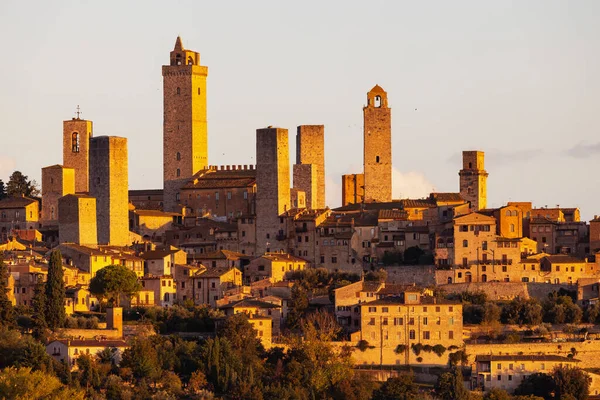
439	350
401	348
362	345
419	359
416	348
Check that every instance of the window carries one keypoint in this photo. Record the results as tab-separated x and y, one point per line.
411	334
499	366
384	321
512	227
437	309
451	335
510	366
199	91
499	377
377	159
217	196
178	156
398	321
425	320
426	335
451	321
333	260
384	309
411	321
228	195
178	90
510	377
75	142
178	172
484	245
245	195
372	321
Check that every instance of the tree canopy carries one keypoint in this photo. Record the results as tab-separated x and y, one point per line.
55	292
20	185
7	316
113	282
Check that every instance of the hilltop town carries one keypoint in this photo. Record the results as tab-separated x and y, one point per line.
441	291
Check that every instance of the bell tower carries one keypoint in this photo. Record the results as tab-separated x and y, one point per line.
473	179
377	147
185	133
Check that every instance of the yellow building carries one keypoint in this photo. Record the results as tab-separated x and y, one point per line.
274	266
151	223
18	213
68	351
79	299
409	319
210	284
163	287
506	372
255	308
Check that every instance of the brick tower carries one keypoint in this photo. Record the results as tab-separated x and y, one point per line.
77	220
272	188
185	145
473	179
377	146
309	170
76	150
109	185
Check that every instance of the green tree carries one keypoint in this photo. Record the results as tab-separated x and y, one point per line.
571	381
38	303
450	385
89	375
142	358
2	189
496	394
55	292
20	185
402	387
412	255
538	384
297	307
113	282
7	314
23	383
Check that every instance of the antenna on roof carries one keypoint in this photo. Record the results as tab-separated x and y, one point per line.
78	112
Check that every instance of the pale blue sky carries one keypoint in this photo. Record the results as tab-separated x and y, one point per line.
517	79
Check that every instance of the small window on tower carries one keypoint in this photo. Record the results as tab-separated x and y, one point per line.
377	101
178	156
470	165
190	61
377	159
178	172
177	197
199	91
178	90
75	142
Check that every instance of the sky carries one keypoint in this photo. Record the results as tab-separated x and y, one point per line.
519	80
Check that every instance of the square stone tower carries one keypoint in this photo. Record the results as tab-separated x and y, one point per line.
353	189
310	150
377	146
185	134
109	185
57	181
77	220
272	188
76	140
473	179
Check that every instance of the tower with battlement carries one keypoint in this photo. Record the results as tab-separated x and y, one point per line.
309	170
109	185
185	134
273	188
76	150
473	179
377	147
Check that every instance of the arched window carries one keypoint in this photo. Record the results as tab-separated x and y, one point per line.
449	280
515	213
508	214
190	61
465	243
484	278
75	142
178	59
377	101
178	172
178	156
178	90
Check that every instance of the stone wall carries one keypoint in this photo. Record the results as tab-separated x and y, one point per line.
310	150
76	139
57	181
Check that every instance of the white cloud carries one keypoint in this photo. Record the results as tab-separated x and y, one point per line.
410	184
333	191
7	166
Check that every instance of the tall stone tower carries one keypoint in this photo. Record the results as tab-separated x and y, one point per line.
185	143
109	185
76	150
353	189
272	188
57	181
473	179
377	146
309	170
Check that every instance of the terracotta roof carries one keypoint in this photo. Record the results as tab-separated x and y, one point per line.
213	178
391	300
282	257
146	192
446	197
393	214
16	202
541	220
392	205
563	259
377	89
155	254
418	203
84	249
223	255
213	272
250	303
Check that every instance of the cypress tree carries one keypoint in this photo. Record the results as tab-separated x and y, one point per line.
39	311
55	292
7	313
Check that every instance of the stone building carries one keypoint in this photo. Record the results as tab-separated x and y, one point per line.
147	199
594	243
57	181
210	285
76	150
353	189
224	192
377	146
273	266
109	185
77	220
409	319
18	213
473	179
152	224
273	188
309	170
164	289
185	135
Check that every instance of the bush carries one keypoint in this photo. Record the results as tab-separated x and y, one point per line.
419	359
401	348
362	345
416	348
439	350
